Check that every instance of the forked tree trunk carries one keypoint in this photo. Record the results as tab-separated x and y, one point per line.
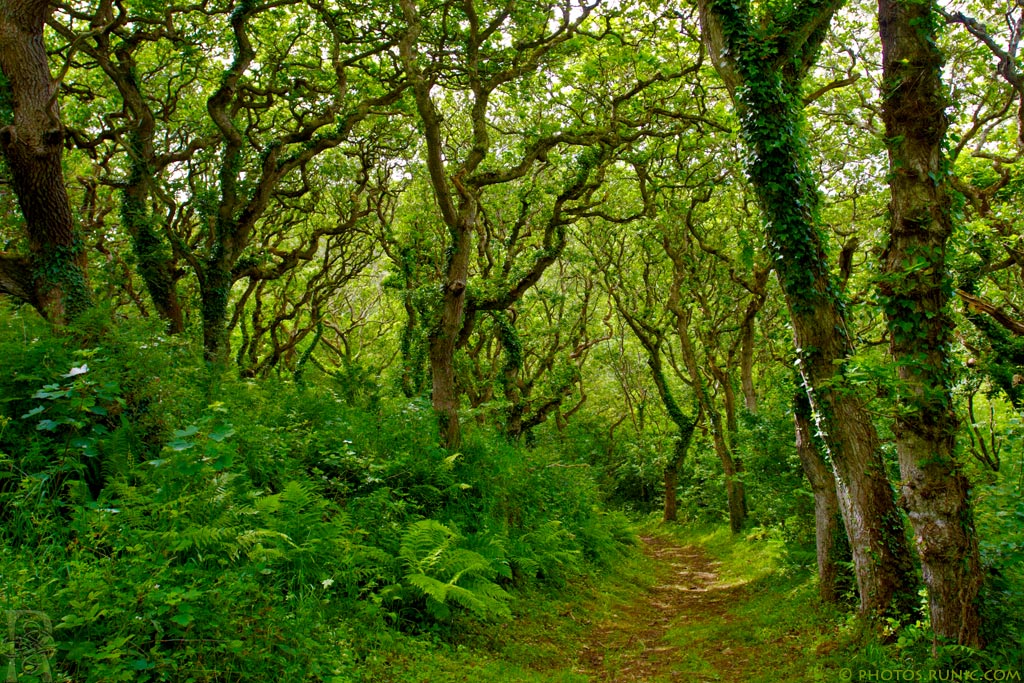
54	276
915	292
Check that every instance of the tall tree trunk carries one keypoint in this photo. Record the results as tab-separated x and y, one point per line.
154	262
763	65
732	470
152	253
747	366
725	441
685	424
444	337
215	290
55	279
759	292
671	477
827	520
915	292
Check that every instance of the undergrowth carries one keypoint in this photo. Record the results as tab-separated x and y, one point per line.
174	525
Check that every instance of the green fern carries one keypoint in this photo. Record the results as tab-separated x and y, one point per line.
547	552
443	574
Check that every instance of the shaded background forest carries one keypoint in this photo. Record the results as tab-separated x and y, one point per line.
328	322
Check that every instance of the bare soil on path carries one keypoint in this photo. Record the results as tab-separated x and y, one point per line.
635	642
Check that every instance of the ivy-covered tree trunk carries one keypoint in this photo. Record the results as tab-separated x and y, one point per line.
827	520
915	292
763	63
154	262
53	277
215	289
685	425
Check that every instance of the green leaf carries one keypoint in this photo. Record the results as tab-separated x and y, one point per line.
191	430
32	413
86	443
221	432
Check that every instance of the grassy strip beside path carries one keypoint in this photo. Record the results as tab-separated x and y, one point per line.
695	605
691	604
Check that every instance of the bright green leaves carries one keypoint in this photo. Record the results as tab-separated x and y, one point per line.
445	574
209	436
77	410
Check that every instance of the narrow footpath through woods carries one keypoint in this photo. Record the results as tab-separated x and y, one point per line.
682	628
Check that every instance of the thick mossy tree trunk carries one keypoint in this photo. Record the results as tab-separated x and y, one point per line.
915	291
215	282
53	277
152	253
764	63
444	334
827	520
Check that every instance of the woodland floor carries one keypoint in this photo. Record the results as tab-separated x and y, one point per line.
697	605
684	627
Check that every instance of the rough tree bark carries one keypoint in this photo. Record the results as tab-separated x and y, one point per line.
763	64
827	520
53	276
915	292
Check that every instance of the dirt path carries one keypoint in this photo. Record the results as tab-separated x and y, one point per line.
636	642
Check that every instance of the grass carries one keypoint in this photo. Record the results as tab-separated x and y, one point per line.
539	645
768	625
768	621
